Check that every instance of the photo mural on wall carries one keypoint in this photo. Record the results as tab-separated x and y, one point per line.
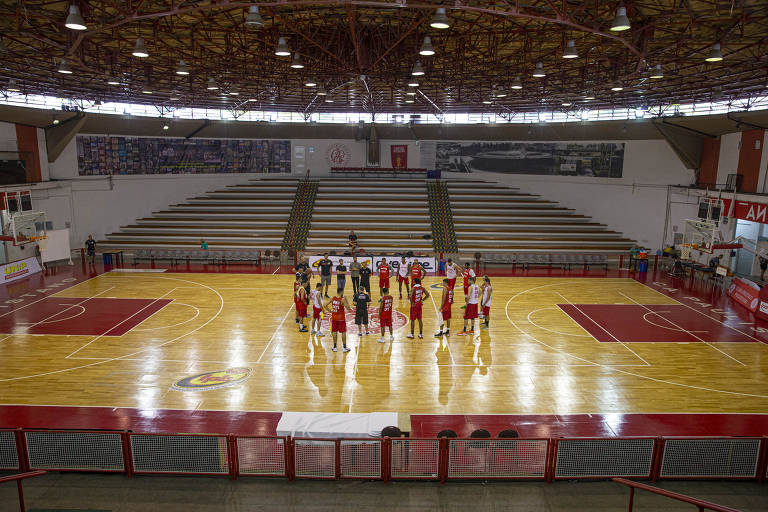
104	155
602	160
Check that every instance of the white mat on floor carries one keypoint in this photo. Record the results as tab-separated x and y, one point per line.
333	425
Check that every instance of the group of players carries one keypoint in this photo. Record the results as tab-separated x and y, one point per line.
477	298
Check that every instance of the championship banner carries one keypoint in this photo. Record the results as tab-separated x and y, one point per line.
429	264
20	269
399	156
745	292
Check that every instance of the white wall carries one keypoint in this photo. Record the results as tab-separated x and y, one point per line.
728	163
8	137
635	204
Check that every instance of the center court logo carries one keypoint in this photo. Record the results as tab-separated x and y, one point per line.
213	380
374	325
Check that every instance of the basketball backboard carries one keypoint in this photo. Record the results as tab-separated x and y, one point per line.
27	227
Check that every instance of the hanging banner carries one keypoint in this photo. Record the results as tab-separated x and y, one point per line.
745	210
399	155
373	262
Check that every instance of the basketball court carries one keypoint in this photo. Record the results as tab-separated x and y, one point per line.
556	346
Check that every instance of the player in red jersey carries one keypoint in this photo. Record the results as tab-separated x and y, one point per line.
469	273
417	271
445	308
338	306
402	277
384	271
418	295
487	292
301	302
385	315
470	312
451	271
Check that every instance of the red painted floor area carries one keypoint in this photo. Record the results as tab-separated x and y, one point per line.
635	323
94	316
139	420
594	425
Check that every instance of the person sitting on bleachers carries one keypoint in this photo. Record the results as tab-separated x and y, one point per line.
352	240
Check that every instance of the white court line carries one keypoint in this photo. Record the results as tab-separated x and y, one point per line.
119	323
613	368
197	313
683	330
702	313
554	331
97	363
278	268
275	333
67	309
448	344
603	328
51	295
645	317
82	310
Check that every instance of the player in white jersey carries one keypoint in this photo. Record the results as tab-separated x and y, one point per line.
470	312
485	302
402	277
451	271
316	298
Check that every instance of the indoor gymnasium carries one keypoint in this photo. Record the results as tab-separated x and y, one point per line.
383	255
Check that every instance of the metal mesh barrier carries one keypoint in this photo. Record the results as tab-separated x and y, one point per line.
9	459
360	459
716	458
180	454
415	458
314	458
83	451
261	456
497	458
583	458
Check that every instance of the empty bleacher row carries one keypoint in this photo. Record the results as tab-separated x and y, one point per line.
504	224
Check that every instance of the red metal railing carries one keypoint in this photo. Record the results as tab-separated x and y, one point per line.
701	504
544	459
18	479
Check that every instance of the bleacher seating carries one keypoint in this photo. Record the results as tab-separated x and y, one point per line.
489	217
248	216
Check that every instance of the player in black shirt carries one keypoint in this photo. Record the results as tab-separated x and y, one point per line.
365	277
361	300
326	267
90	248
341	275
304	272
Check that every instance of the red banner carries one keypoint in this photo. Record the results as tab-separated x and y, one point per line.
745	293
746	210
399	154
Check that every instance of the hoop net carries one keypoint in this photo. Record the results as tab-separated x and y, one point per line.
27	227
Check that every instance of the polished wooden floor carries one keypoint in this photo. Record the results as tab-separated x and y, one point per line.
534	358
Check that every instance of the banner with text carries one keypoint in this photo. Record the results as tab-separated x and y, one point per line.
20	269
746	210
373	262
744	292
399	155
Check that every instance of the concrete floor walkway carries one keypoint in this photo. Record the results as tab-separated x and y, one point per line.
171	494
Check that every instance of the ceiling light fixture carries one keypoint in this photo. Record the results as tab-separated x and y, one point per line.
620	22
715	55
212	84
146	91
413	82
282	49
328	99
165	126
570	50
182	69
517	83
113	81
56	121
140	50
310	82
440	19
64	67
566	104
321	91
12	86
74	20
297	62
254	18
656	72
589	98
500	94
539	71
617	87
426	47
409	101
234	92
417	69
487	102
411	92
